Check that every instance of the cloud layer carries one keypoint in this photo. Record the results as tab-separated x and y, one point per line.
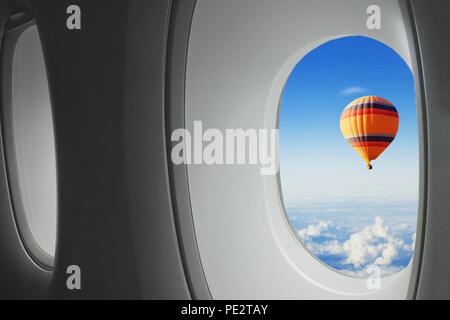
373	245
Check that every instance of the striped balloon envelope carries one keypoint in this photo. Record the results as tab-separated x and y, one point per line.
369	124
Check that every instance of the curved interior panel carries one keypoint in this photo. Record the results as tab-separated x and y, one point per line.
31	149
241	54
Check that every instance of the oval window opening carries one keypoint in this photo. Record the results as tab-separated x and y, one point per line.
30	147
347	216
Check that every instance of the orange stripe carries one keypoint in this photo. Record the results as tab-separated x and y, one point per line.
376	124
370	153
362	112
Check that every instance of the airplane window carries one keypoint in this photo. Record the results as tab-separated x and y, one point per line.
349	162
32	142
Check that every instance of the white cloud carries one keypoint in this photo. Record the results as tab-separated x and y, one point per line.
334	247
314	230
353	90
388	253
372	245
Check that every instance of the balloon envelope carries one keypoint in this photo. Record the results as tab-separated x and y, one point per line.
369	124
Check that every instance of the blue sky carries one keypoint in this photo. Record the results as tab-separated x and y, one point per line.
318	167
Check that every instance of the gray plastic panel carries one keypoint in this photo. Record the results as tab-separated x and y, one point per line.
107	85
181	16
20	276
432	20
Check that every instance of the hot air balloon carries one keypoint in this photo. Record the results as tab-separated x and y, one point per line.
369	124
